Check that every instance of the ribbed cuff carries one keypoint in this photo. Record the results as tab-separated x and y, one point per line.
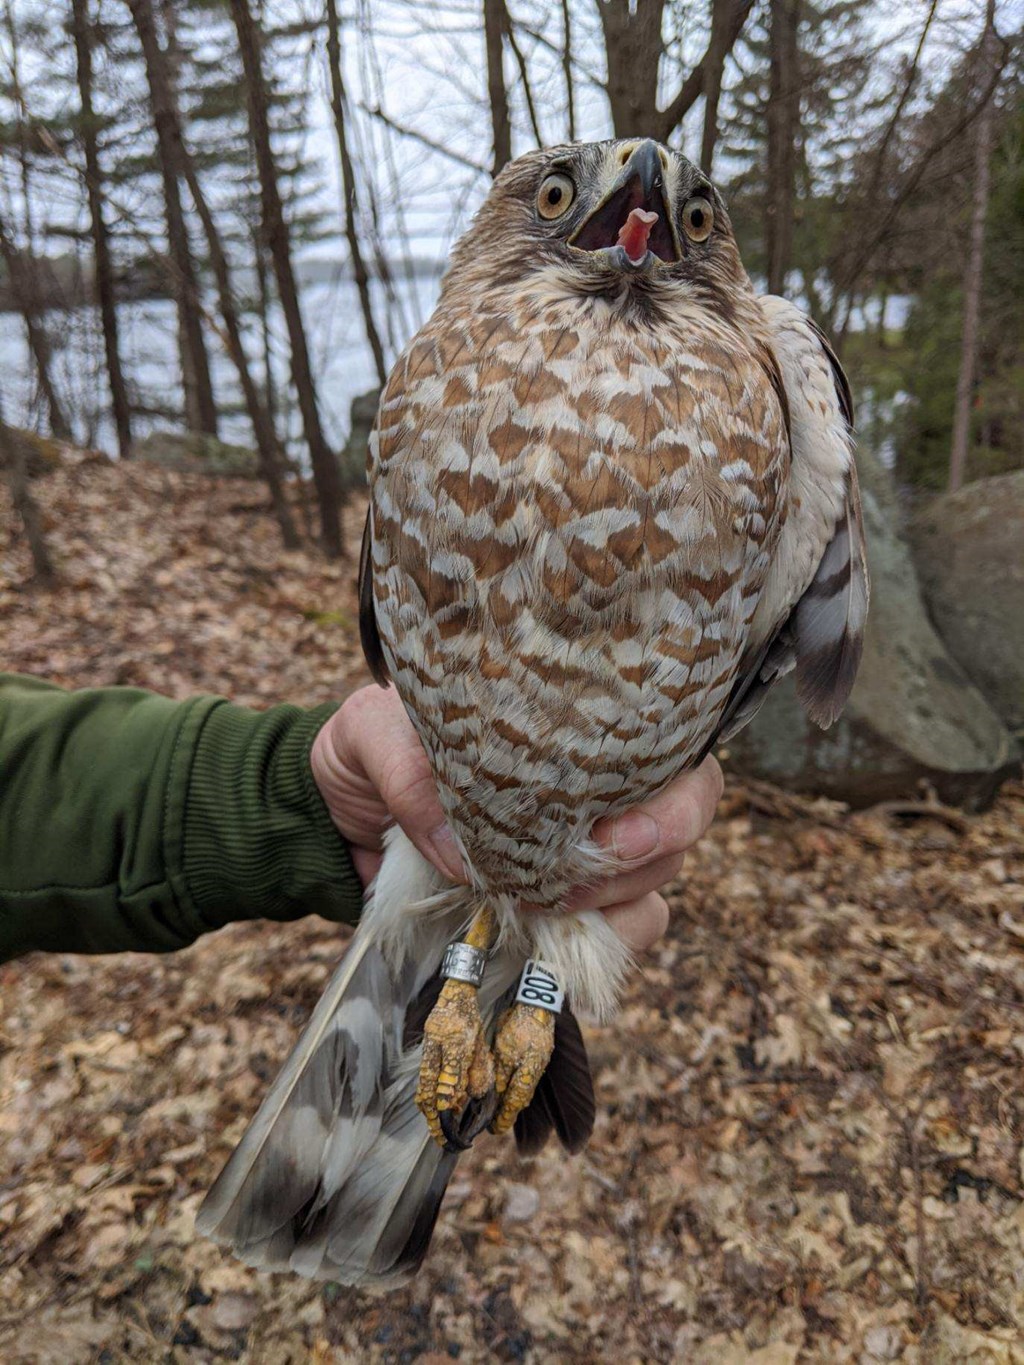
257	840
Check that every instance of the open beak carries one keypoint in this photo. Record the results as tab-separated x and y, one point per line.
632	222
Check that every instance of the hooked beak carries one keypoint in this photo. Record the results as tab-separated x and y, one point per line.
615	228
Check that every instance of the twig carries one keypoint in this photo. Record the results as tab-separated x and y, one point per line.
422	138
954	818
920	1237
517	52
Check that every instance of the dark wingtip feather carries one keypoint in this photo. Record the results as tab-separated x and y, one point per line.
843	394
564	1100
369	635
534	1125
825	678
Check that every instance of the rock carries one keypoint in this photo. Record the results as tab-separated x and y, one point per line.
969	554
521	1203
192	452
362	415
914	713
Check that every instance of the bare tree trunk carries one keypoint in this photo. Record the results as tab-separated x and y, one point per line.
973	272
325	466
200	406
259	416
496	24
14	456
102	266
19	271
22	266
570	93
734	16
721	16
783	117
633	47
263	282
349	190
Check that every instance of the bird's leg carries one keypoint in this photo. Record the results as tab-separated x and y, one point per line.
524	1043
456	1064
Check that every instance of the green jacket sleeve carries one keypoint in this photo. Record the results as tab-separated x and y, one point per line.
129	821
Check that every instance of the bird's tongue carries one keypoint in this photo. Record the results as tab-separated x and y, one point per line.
634	233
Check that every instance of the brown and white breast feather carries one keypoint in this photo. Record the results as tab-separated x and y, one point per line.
573	520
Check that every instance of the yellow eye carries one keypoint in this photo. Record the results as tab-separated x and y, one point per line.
556	194
698	219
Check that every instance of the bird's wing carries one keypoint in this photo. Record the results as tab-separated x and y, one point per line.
813	608
369	634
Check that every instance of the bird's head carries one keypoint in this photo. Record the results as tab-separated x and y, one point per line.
601	216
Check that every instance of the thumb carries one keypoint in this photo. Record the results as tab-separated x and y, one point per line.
374	737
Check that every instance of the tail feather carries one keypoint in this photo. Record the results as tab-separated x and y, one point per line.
337	1176
403	1243
295	1117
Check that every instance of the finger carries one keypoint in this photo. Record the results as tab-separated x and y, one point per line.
375	738
366	862
636	881
639	923
668	823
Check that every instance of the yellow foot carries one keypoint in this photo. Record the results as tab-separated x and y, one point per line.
456	1063
522	1050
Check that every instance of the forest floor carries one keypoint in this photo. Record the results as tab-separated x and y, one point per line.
811	1116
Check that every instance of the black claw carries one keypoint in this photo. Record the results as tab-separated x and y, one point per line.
450	1125
462	1130
482	1118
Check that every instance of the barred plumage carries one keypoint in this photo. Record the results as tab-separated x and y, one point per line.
613	499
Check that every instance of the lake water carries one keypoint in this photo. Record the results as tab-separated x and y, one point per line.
342	363
343	366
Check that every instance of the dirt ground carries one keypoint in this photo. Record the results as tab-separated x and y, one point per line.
809	1145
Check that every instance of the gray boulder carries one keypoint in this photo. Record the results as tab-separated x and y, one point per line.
362	415
969	554
914	713
193	452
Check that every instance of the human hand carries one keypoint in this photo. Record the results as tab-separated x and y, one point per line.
371	770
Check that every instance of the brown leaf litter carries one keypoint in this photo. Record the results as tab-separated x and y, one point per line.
809	1145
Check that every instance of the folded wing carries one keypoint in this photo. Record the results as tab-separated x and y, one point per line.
813	609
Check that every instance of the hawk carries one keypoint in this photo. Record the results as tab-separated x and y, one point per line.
612	500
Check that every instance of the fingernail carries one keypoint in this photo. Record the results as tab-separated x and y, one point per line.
635	835
442	841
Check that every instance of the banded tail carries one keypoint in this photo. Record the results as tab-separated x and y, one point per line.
337	1177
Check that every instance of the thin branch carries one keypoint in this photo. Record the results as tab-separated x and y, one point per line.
871	242
527	92
693	87
423	140
908	86
574	62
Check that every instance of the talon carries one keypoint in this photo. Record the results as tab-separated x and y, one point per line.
522	1050
488	1108
453	1140
456	1063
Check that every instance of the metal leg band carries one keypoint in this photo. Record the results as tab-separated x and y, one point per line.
463	962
